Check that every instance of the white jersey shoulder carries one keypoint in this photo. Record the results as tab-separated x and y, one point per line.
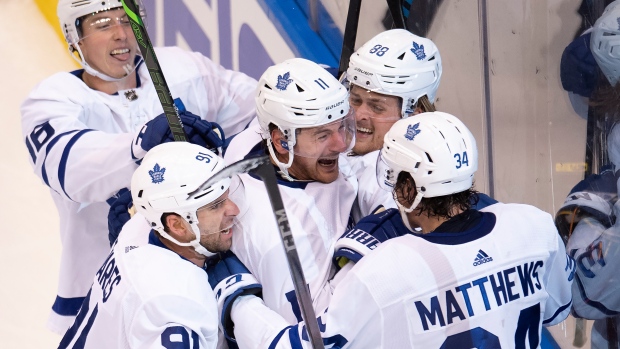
146	297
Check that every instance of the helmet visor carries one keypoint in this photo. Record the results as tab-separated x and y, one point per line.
326	141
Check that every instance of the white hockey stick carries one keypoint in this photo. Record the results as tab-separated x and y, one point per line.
262	167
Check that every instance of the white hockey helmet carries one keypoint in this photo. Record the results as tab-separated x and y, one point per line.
162	182
70	12
436	148
605	42
298	93
397	63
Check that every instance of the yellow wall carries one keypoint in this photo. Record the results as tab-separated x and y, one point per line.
48	9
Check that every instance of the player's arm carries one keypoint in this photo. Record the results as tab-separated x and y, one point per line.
77	162
596	252
559	275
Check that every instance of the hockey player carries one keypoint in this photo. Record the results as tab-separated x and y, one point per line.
471	279
304	125
394	75
85	129
156	295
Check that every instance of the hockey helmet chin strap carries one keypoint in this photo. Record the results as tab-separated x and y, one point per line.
194	243
129	67
282	166
404	210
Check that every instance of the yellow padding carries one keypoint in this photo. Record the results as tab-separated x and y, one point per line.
48	9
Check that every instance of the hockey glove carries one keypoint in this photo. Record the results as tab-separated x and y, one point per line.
121	210
204	133
230	279
594	197
366	235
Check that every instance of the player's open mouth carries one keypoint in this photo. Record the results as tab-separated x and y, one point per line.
120	53
364	130
328	162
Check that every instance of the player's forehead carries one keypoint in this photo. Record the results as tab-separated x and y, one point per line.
371	96
215	203
331	127
116	12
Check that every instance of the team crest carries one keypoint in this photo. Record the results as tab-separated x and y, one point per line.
157	174
283	81
412	131
418	51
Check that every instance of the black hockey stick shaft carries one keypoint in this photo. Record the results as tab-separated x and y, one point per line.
396	10
262	167
152	64
267	173
349	36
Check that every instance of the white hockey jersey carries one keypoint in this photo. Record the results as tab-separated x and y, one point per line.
79	142
318	214
491	286
146	297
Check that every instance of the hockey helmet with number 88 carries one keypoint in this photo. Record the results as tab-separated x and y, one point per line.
397	63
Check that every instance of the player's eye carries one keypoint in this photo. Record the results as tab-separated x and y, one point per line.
355	101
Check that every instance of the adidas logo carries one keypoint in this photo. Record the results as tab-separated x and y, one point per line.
482	258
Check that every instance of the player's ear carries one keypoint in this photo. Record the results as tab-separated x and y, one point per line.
177	227
280	143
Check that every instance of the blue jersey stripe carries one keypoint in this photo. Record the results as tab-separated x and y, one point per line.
275	341
47	150
67	306
65	155
597	305
557	312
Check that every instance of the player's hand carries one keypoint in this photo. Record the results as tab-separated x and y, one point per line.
369	233
121	210
230	279
204	133
593	197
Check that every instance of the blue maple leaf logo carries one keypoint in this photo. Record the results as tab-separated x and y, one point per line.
157	174
412	131
283	81
418	51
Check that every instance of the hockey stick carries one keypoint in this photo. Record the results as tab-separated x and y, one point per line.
152	64
397	12
349	36
261	166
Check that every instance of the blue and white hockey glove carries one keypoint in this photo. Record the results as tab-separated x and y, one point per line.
593	197
121	210
230	279
578	71
204	133
366	235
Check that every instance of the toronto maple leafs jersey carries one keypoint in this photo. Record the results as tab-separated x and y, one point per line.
79	143
146	296
318	215
492	286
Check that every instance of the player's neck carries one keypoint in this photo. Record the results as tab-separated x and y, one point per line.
186	252
110	87
428	224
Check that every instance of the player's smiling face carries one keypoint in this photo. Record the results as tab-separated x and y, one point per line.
375	114
215	222
108	43
317	150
